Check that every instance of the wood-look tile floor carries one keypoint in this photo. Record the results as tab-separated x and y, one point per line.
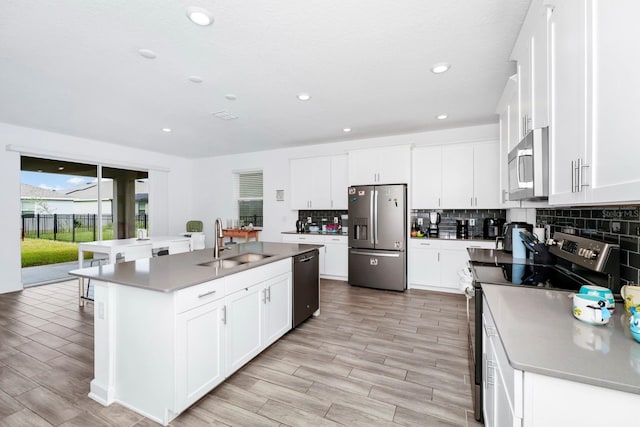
373	358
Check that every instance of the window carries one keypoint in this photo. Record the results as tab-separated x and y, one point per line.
249	191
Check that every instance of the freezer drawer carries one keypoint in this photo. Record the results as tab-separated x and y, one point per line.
378	269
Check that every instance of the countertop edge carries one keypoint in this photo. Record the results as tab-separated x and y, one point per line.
95	272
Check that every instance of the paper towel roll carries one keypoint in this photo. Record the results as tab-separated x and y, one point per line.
540	234
519	251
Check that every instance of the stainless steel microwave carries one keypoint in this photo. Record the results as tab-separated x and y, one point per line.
529	167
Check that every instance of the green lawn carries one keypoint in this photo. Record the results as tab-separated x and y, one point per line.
43	252
81	236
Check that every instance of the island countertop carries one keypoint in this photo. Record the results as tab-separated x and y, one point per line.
540	335
173	272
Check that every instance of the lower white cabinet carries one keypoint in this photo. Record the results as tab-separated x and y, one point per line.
502	385
435	263
334	256
244	327
159	352
200	334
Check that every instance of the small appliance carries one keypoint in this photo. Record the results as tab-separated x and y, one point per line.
492	227
462	229
529	167
434	220
507	233
299	226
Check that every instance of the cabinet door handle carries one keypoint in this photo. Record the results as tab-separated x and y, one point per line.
491	331
573	176
206	293
438	201
580	167
224	315
269	294
438	256
471	201
476	200
264	296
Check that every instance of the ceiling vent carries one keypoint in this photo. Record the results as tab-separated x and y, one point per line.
225	115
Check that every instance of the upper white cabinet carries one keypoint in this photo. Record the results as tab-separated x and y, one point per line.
568	108
508	112
319	182
594	93
339	182
612	146
388	165
426	170
470	176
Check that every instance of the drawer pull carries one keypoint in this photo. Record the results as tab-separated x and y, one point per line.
206	294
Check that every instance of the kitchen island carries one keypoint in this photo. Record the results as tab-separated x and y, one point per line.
169	329
544	367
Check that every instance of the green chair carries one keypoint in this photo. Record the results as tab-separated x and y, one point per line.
194	226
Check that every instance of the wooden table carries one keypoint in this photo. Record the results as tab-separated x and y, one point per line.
240	232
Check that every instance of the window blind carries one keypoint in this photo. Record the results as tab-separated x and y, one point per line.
250	185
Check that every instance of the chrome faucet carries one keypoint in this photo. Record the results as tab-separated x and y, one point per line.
217	235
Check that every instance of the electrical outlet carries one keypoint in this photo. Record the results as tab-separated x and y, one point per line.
472	222
335	219
419	221
309	219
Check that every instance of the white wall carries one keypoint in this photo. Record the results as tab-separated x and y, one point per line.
214	175
177	188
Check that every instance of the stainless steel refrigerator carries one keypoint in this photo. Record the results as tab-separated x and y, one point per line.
378	236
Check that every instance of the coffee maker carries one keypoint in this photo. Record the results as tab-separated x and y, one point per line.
434	220
462	229
492	228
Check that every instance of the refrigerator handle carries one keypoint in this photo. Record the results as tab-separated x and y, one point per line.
375	213
371	218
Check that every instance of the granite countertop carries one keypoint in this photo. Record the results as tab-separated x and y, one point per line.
540	335
494	256
173	272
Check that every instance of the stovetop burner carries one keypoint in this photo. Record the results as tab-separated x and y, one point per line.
541	276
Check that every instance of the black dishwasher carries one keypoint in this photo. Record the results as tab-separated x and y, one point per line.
306	286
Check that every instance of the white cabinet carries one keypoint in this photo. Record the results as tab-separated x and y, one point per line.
594	93
502	385
434	263
426	170
471	176
568	81
334	255
244	327
200	365
311	183
339	182
388	165
277	312
457	176
613	148
539	54
424	262
508	120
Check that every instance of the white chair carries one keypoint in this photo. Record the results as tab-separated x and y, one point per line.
179	247
132	253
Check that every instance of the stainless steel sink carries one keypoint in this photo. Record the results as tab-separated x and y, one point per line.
222	263
249	257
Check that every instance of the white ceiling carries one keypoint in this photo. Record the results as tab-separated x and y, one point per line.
72	66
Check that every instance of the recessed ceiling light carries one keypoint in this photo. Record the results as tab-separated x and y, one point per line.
195	79
199	16
347	130
441	116
231	97
60	168
304	96
440	67
166	130
147	53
